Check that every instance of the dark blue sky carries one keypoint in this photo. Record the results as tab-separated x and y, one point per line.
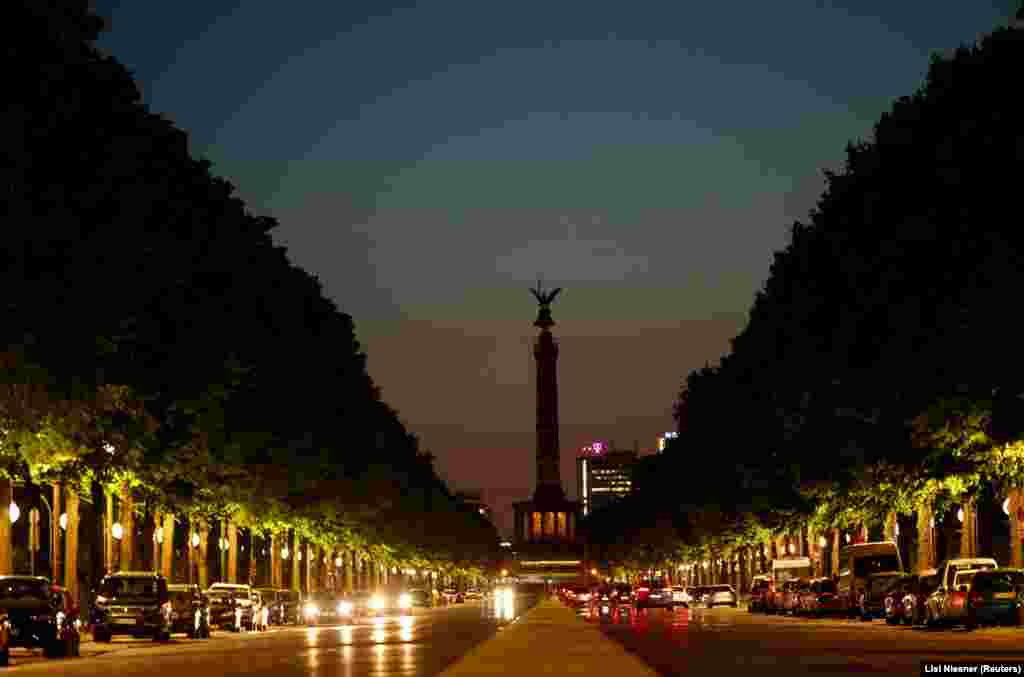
428	160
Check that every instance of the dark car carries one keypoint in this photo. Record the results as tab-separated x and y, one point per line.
284	605
878	587
38	614
759	591
653	594
915	601
133	603
623	593
232	606
995	597
190	611
420	598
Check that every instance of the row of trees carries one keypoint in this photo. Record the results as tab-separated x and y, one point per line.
156	342
880	369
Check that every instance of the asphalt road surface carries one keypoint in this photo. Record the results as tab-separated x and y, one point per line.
726	641
419	645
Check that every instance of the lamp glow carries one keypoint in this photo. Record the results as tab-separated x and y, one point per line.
337	561
117	531
960	514
195	540
284	552
790	548
822	542
14	511
847	538
1006	505
896	529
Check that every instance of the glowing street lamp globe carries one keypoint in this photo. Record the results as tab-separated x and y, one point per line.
117	531
14	511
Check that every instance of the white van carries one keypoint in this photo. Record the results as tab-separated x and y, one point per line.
858	561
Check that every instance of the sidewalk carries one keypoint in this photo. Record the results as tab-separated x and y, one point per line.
549	640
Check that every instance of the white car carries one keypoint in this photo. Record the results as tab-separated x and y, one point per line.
721	595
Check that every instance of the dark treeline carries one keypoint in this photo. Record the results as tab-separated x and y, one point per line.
880	369
155	337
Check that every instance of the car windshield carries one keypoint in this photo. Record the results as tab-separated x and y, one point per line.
964	578
865	566
129	587
22	588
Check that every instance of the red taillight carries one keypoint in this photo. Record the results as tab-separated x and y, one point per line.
642	590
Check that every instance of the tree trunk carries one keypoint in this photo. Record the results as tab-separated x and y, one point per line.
97	544
6	532
57	574
128	557
836	545
350	565
969	530
232	573
71	545
203	554
167	548
296	559
925	540
1016	508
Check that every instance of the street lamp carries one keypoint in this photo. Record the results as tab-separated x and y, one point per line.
896	529
14	511
960	514
284	552
337	562
195	540
1006	505
117	531
847	538
63	521
822	542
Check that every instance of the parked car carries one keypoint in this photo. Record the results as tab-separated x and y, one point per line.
995	597
578	595
36	614
327	607
232	606
915	602
134	603
679	595
859	561
721	595
947	605
453	596
786	597
820	597
759	590
474	593
894	599
653	594
877	588
190	611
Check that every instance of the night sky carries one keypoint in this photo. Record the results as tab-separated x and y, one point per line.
427	161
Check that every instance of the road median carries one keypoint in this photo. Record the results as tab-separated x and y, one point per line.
549	640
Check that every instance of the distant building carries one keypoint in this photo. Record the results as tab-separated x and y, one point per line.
603	475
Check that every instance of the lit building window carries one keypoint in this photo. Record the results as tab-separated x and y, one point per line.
535	532
561	525
549	524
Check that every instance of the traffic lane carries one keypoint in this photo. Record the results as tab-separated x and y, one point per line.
421	644
699	641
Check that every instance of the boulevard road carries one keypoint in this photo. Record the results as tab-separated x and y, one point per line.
420	645
726	641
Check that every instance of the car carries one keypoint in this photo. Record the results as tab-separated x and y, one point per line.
820	598
894	599
381	601
474	593
232	606
859	561
760	589
578	595
915	600
285	605
995	597
135	603
327	607
653	594
679	595
190	611
721	595
37	614
871	604
947	605
453	596
623	593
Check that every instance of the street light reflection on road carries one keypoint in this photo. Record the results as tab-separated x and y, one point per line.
378	630
346	634
505	604
405	628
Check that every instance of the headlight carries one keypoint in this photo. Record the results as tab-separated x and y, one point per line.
405	600
311	610
376	602
345	608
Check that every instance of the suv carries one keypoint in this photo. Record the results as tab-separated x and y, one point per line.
133	603
231	606
35	613
190	611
